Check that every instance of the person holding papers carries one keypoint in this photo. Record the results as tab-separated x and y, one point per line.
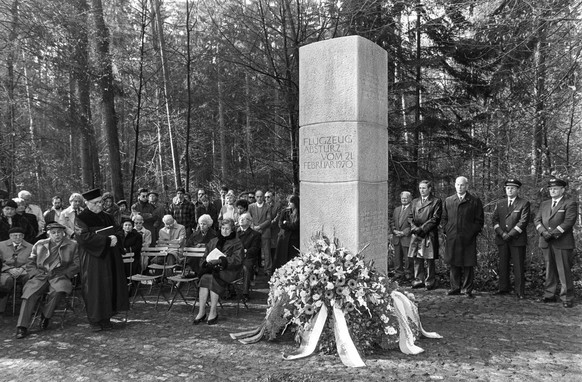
221	265
103	279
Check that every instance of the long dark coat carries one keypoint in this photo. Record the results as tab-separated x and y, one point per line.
513	222
462	222
232	265
427	217
287	241
103	278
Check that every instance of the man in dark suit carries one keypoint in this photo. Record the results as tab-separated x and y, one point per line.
251	241
400	228
425	216
510	220
554	222
462	221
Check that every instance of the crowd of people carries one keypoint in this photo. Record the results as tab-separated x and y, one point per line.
44	252
415	228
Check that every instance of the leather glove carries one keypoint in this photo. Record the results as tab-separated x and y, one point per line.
506	236
547	236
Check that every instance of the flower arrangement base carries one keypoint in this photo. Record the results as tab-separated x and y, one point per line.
364	304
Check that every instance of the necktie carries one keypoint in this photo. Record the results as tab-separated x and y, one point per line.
510	204
554	205
423	200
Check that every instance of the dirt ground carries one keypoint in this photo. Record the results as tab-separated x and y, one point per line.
488	338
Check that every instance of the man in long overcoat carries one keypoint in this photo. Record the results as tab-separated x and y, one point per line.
554	222
400	229
52	264
103	277
14	254
425	216
462	220
510	220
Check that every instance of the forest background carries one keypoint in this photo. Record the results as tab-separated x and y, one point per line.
122	94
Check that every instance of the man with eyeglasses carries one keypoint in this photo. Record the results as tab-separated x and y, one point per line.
103	279
14	254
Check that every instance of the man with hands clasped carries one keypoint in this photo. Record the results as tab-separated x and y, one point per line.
510	220
554	222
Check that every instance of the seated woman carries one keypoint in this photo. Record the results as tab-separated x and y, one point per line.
199	238
131	241
217	274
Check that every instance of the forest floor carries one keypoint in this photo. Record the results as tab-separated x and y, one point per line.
488	338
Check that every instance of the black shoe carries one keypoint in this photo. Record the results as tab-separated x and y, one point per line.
500	292
568	304
199	320
470	295
96	327
430	287
546	300
520	297
106	324
417	285
213	321
21	332
453	292
44	322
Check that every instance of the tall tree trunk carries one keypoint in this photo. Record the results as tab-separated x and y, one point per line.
166	85
188	95
540	154
415	148
90	170
105	72
221	127
139	94
32	131
8	161
248	130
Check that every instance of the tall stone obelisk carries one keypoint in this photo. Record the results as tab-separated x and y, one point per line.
343	144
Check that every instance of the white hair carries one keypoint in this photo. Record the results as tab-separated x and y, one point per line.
24	194
205	219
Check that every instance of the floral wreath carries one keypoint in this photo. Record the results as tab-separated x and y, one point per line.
368	310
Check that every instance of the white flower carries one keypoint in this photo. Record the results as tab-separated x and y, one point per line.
316	296
329	285
390	330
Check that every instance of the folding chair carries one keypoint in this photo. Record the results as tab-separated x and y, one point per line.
159	253
137	280
68	301
179	280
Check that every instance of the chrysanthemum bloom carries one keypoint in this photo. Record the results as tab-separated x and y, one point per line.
352	283
329	294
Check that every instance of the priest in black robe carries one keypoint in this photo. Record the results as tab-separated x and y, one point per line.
103	279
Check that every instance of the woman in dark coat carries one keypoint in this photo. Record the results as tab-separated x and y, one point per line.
103	279
288	240
216	274
199	238
131	241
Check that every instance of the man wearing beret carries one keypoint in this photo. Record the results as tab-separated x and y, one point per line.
510	220
14	254
554	222
51	266
103	279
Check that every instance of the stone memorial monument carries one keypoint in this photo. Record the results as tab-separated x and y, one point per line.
343	144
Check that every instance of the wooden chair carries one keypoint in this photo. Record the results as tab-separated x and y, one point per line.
135	281
179	280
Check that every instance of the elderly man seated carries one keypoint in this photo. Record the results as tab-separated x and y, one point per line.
52	264
14	254
171	234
